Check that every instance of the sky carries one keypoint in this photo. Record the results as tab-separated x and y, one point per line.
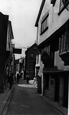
23	15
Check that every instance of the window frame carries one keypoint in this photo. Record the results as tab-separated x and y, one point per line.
64	41
44	19
63	7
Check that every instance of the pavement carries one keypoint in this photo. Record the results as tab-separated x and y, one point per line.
5	98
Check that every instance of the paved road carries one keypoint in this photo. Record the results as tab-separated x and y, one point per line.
26	101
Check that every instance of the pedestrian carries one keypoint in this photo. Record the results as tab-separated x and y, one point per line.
10	80
21	74
18	77
27	79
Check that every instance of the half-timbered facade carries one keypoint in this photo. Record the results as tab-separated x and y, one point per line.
53	42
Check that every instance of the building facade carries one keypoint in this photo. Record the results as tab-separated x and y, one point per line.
9	49
53	41
3	38
5	46
30	61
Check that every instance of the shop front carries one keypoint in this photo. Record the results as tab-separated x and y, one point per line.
55	57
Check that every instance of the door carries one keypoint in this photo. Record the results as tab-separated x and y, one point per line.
56	88
65	98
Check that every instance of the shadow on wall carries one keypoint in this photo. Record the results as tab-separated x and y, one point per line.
59	63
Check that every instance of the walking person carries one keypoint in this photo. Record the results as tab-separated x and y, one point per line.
27	79
18	77
10	80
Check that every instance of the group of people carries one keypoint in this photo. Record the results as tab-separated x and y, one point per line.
13	78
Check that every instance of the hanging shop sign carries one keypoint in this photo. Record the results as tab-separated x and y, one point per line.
17	51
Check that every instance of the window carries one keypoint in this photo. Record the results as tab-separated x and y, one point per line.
64	41
47	50
44	23
63	4
53	2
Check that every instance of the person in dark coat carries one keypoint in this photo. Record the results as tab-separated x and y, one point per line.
10	81
27	79
18	77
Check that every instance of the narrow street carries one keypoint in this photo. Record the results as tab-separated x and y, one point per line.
26	101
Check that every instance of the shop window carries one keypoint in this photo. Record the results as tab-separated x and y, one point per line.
47	56
64	41
47	49
64	4
44	24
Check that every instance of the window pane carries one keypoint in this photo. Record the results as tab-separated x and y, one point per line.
63	42
44	23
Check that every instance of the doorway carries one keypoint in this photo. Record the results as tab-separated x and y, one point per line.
56	88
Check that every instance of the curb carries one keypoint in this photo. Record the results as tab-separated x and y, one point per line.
7	101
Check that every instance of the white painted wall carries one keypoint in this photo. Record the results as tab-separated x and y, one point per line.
55	21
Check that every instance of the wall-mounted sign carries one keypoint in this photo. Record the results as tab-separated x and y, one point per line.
17	51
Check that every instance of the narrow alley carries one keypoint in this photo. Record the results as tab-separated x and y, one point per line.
34	46
26	101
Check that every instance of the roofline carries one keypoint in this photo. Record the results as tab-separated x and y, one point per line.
9	22
31	47
4	14
40	10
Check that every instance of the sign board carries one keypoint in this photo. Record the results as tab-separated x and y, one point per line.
17	51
